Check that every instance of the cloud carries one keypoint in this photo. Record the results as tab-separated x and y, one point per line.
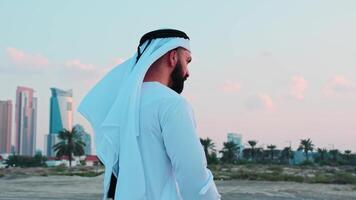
298	87
338	84
20	62
260	102
79	71
230	87
77	64
76	70
22	58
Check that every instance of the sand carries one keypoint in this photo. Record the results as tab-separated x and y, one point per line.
75	187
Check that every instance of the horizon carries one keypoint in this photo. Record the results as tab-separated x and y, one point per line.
275	72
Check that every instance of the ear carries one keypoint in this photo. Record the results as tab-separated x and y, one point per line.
172	58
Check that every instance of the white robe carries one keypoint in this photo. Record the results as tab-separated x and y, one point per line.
112	107
173	159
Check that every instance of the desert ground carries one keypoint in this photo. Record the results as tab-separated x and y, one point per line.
89	188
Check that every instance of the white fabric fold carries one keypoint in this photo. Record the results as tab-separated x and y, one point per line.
209	189
112	109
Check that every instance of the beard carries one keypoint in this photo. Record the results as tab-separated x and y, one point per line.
178	78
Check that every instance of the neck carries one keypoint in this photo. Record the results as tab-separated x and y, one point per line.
158	77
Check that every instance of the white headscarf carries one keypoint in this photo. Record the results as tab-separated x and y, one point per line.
112	109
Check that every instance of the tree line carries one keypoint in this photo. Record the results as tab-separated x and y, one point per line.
232	153
71	145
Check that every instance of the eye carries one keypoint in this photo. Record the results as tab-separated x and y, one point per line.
189	59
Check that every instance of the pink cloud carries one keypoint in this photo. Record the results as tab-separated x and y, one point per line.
230	86
77	64
338	84
84	72
260	102
298	87
18	56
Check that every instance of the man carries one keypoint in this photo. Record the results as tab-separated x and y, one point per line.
145	131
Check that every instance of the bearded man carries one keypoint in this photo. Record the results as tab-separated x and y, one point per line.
145	131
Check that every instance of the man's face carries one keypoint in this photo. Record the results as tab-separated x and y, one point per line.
180	72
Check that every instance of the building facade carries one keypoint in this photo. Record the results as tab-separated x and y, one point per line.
60	116
237	139
5	126
25	121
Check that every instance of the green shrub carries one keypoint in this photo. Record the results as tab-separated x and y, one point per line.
270	177
277	169
244	175
322	178
86	174
43	174
294	178
242	162
60	168
307	163
344	178
337	178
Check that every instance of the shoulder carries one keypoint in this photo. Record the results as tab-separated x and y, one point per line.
175	109
166	100
174	104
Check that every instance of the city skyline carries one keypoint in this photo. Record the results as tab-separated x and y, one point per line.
61	116
275	71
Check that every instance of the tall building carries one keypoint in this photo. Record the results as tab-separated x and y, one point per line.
25	121
86	138
60	116
5	126
237	139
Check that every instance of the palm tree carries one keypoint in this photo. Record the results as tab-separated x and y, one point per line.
208	144
229	152
271	149
334	153
306	146
348	154
213	158
287	154
238	152
70	144
252	143
322	153
260	153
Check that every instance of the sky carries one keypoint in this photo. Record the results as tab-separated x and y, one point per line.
274	71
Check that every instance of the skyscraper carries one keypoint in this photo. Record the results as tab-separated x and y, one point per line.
5	126
237	139
61	116
25	121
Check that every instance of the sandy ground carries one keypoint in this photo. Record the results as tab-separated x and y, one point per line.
67	187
